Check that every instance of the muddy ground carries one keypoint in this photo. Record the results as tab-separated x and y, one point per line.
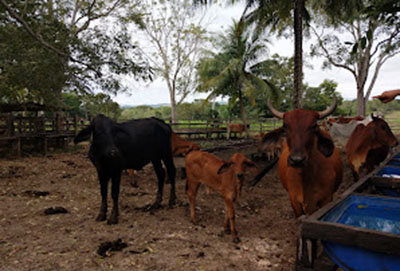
161	240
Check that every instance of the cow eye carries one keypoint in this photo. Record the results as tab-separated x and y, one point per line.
314	127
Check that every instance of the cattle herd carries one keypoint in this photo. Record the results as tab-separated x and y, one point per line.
310	166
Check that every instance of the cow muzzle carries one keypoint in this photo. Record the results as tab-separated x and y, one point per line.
113	153
297	160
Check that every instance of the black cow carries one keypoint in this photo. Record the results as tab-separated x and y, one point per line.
132	144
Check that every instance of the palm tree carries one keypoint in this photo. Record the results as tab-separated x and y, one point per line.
277	14
228	72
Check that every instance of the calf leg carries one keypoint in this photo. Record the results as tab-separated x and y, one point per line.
230	215
160	177
116	180
192	188
103	180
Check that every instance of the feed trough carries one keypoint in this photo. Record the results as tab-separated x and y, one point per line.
359	230
389	172
365	212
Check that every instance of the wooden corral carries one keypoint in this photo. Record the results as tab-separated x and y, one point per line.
310	255
24	130
218	128
19	133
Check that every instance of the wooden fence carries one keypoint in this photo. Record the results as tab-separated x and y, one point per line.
25	134
218	128
18	134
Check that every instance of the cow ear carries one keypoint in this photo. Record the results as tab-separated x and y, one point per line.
84	134
224	168
271	139
325	144
249	164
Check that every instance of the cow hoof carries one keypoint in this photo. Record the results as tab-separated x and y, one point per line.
101	217
154	206
227	231
172	203
236	240
112	221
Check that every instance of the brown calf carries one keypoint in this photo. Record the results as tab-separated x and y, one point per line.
236	128
225	177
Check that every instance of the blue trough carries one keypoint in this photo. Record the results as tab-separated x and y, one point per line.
373	213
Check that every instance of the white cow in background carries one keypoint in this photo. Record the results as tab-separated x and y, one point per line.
340	132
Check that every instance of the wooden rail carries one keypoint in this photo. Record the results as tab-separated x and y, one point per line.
17	132
218	128
20	134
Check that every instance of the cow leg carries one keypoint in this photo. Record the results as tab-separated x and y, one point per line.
116	180
230	215
171	171
297	207
103	180
192	188
160	177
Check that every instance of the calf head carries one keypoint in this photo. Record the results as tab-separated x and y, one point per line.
381	132
300	129
103	130
237	165
241	164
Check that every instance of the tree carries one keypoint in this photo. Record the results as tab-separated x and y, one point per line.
175	36
278	16
50	46
100	103
321	97
369	42
228	72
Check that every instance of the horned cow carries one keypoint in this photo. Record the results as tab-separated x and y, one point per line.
310	167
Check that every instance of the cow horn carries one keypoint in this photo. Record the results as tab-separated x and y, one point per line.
329	110
275	112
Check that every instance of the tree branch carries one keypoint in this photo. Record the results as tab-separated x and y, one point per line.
327	55
44	43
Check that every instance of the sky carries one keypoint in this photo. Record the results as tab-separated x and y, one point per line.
157	92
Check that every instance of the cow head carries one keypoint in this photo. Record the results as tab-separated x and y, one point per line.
103	130
382	132
300	129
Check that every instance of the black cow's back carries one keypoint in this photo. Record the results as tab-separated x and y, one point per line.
142	141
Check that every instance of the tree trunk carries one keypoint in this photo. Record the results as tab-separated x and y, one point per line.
174	113
298	53
361	103
243	114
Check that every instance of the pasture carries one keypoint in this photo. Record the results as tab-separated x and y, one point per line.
164	239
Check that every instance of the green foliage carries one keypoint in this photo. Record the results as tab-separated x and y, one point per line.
100	103
229	71
58	47
319	98
144	111
72	104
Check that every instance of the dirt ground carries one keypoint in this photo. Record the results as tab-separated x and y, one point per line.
161	240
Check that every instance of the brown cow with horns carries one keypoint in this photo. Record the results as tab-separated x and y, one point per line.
310	167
